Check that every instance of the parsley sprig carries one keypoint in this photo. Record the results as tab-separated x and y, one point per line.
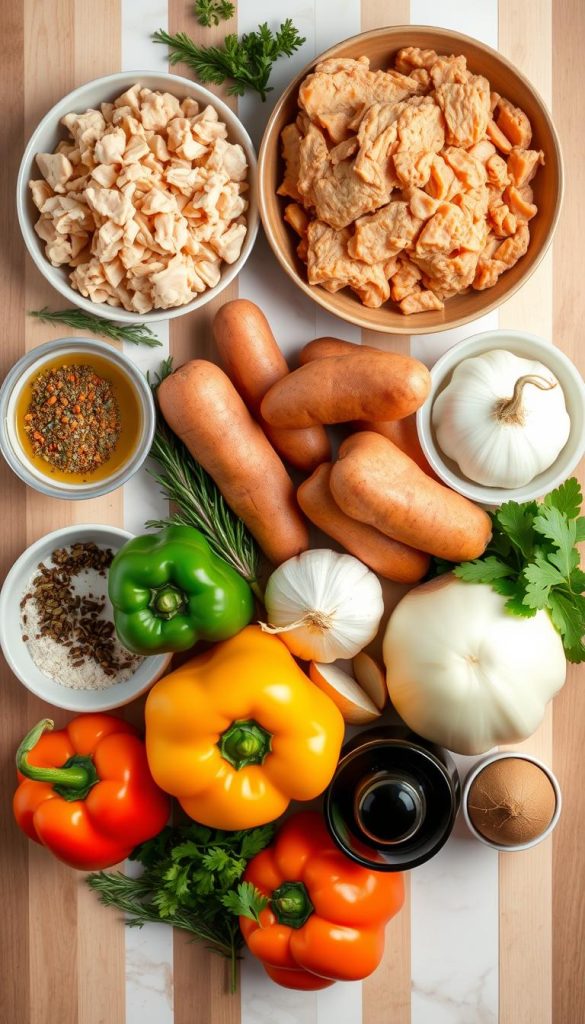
192	875
211	12
533	561
247	60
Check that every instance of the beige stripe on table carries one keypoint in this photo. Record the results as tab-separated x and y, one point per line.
14	933
76	946
390	987
201	978
569	714
525	38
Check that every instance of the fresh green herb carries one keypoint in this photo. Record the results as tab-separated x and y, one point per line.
533	561
211	12
137	334
192	875
245	901
246	61
198	501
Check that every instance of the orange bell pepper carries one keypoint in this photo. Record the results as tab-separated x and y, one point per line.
86	792
236	733
326	915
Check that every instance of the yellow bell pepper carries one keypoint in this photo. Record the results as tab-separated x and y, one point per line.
236	733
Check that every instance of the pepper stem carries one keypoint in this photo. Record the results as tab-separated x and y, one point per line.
511	410
291	905
245	743
167	601
72	781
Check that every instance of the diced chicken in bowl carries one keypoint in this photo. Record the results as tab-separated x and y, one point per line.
144	201
409	184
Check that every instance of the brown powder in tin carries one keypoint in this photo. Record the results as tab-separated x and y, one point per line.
512	801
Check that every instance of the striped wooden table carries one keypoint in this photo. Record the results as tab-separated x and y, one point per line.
482	938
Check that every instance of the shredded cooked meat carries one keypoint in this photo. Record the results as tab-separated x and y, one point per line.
410	183
384	234
329	263
466	107
338	91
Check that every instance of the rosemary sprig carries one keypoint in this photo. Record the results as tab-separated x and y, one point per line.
198	501
132	896
137	334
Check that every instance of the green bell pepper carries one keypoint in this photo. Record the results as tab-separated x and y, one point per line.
170	590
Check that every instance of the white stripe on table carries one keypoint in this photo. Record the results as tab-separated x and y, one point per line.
295	320
149	950
454	897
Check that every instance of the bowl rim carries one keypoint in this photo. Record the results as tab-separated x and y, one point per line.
97	699
499	756
118	314
78	492
466	349
317	293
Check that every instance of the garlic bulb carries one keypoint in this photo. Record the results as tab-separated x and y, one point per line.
501	418
324	605
463	672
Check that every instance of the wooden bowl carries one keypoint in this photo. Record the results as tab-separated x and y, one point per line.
380	46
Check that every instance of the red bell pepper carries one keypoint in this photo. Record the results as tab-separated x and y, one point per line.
86	792
326	915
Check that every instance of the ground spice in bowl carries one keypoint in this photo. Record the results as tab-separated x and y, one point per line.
67	620
511	802
73	419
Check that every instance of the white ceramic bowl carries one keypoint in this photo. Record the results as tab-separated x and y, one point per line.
528	346
478	767
49	132
34	361
16	651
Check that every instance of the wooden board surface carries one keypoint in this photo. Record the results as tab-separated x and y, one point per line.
64	959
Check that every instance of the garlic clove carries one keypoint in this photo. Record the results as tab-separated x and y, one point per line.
355	705
370	676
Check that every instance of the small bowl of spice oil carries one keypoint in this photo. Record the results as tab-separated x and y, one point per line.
57	628
77	418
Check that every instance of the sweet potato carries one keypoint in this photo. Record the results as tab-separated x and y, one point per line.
375	483
387	557
366	384
253	362
202	407
322	348
402	433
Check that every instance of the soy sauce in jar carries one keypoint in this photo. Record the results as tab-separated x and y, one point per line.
389	807
393	799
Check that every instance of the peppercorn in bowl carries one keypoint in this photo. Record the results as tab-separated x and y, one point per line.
77	418
56	623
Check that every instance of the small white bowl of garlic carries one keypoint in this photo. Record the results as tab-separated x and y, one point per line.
505	418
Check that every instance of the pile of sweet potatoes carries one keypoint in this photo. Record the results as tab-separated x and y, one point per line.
379	499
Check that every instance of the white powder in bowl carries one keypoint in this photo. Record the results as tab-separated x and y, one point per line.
54	659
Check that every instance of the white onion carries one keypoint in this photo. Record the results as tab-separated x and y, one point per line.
324	605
